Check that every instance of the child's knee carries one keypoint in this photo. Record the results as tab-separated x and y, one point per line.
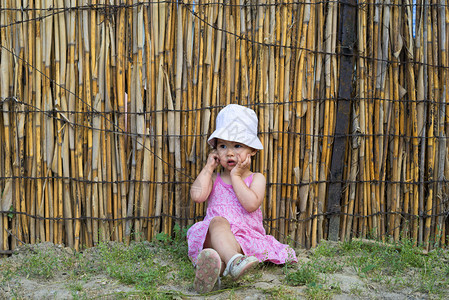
218	222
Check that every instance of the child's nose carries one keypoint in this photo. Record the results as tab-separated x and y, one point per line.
230	151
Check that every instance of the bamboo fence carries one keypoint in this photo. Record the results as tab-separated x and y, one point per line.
107	106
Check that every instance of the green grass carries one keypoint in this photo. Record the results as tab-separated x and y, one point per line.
141	265
394	266
41	265
147	266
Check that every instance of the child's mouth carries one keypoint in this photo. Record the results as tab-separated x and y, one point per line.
231	163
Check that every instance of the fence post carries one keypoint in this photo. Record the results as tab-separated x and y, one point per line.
347	37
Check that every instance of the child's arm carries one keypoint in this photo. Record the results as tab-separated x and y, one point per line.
249	197
202	186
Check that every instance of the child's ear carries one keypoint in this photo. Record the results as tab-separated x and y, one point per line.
253	152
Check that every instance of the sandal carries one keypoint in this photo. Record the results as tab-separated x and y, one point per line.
239	264
208	269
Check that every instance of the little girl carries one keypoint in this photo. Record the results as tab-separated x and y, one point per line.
231	239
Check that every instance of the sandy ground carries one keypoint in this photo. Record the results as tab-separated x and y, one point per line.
265	282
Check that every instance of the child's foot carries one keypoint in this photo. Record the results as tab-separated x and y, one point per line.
207	270
240	264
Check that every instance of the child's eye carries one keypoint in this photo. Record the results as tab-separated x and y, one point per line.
221	146
238	146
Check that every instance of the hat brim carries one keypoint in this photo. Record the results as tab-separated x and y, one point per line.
247	139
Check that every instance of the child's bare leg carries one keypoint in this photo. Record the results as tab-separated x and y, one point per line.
221	239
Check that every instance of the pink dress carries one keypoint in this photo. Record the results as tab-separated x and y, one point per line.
247	227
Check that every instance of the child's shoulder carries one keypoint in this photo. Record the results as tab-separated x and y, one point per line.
258	176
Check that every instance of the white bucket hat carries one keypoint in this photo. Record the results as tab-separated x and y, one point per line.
236	123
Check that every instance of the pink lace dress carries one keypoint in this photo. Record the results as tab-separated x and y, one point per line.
247	227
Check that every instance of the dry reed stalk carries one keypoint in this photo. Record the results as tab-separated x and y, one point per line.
217	60
170	157
231	51
362	115
301	107
6	71
30	190
196	80
198	65
288	121
396	48
103	76
284	55
170	130
177	118
116	191
355	145
96	163
419	129
131	197
384	108
164	39
310	158
131	127
52	147
273	96
422	111
147	194
146	177
245	54
185	132
187	115
378	114
68	151
251	29
429	209
61	67
159	35
111	197
395	150
328	116
56	155
438	127
298	15
38	130
207	74
80	137
19	225
96	131
47	124
440	51
444	29
414	170
372	204
120	81
264	99
140	118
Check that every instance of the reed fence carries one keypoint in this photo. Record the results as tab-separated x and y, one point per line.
107	106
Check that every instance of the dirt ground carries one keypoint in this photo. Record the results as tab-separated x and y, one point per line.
265	282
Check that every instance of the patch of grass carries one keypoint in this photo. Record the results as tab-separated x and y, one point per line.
279	292
41	264
325	249
6	272
306	274
131	264
176	247
76	290
394	266
318	292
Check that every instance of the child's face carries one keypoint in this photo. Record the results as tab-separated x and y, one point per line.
230	153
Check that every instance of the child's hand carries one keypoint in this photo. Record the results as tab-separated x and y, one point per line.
213	160
242	165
